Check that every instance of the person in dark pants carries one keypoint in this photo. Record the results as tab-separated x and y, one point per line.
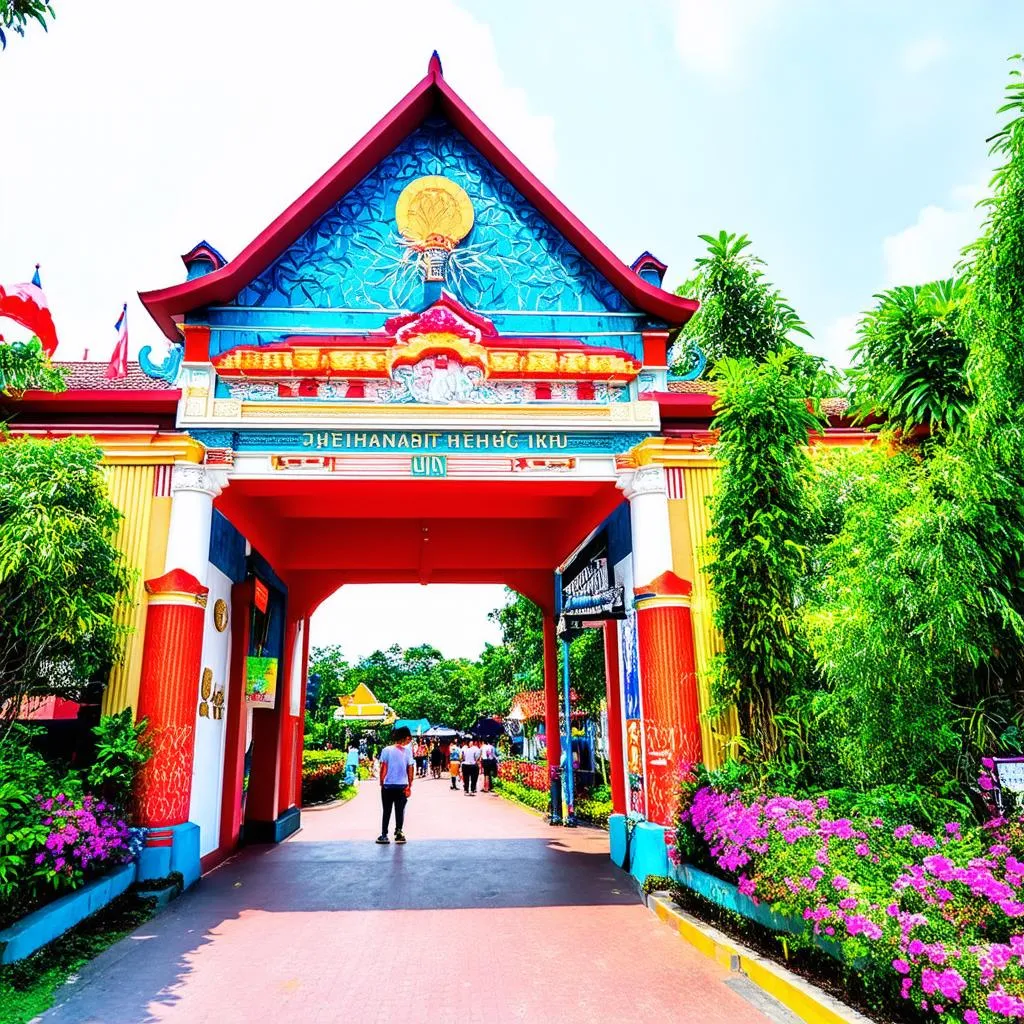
470	767
396	771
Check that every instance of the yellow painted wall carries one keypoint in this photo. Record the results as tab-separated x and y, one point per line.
689	521
131	490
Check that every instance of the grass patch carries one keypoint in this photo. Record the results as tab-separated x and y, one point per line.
28	986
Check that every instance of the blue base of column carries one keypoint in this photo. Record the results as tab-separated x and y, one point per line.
556	802
175	848
275	831
649	855
617	838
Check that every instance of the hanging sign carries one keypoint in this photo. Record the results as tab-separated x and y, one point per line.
589	595
1010	772
260	681
261	597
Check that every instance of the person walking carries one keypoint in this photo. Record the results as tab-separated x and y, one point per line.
435	760
454	762
470	767
396	772
421	759
489	759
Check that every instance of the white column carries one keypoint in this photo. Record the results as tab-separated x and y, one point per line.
647	491
193	489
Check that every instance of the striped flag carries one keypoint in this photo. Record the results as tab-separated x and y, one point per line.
118	366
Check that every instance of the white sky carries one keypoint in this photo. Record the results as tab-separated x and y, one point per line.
364	619
848	139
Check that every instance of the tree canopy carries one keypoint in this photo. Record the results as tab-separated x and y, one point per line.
62	577
419	682
15	15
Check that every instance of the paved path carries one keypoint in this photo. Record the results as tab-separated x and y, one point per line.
494	915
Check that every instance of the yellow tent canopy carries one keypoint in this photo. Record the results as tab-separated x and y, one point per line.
362	707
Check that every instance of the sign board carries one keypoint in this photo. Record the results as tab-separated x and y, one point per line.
429	465
525	444
260	681
589	595
1010	772
261	596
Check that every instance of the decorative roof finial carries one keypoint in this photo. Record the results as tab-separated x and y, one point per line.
434	67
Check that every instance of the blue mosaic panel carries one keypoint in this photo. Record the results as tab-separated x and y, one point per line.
513	259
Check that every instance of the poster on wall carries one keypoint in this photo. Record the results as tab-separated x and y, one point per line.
260	681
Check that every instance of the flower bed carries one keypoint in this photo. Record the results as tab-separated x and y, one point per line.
932	922
531	774
323	775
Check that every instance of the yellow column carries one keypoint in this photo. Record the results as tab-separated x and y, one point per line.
690	521
131	490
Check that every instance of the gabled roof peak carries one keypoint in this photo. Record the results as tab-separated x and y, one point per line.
432	96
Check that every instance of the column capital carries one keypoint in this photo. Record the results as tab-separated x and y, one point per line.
177	587
187	476
644	480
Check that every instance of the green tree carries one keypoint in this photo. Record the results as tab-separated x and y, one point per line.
16	14
910	358
61	575
757	543
741	314
23	365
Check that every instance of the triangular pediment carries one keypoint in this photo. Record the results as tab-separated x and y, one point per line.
539	255
356	257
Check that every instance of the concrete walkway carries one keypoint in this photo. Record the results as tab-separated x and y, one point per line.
487	914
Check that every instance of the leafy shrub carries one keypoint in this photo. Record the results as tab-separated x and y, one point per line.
602	794
121	750
524	794
657	883
594	811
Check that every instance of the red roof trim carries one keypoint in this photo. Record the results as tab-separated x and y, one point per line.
166	305
163	396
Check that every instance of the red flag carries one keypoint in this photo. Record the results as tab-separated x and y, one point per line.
118	366
26	304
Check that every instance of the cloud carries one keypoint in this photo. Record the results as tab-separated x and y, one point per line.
713	36
834	342
931	246
142	128
923	53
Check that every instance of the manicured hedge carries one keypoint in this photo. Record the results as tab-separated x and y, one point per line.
323	775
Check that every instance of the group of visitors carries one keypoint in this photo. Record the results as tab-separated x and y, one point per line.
432	756
467	761
401	762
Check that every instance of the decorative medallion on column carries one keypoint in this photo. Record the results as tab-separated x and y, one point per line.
669	682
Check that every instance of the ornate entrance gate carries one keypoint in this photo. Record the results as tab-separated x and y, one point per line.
425	370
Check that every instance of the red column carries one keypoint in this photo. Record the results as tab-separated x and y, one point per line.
551	693
168	691
613	695
669	685
290	725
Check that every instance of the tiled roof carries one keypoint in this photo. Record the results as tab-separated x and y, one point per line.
693	387
90	376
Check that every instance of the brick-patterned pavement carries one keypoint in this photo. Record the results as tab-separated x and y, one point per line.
493	915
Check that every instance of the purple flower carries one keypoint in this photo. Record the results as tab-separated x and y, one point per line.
984	782
901	966
840	883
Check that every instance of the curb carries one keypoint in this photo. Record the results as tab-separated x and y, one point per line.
810	1004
